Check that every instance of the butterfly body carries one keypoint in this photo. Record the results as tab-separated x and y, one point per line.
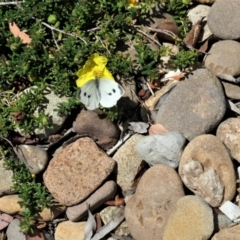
102	91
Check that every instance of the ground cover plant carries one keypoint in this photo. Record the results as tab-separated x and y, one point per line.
44	43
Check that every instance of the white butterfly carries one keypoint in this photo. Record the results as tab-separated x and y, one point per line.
100	91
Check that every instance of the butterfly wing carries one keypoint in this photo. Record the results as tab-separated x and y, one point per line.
109	91
88	94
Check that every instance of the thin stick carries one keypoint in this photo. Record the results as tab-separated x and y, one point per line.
10	3
61	31
149	37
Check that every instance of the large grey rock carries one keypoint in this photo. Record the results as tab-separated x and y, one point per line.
147	212
223	58
192	218
195	106
223	19
77	171
165	148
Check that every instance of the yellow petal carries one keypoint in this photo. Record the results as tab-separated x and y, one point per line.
94	67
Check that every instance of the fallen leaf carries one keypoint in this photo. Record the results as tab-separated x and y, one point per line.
191	39
90	225
18	33
168	27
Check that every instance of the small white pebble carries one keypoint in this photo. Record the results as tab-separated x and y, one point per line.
231	210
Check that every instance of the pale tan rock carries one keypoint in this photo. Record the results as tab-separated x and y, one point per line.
191	219
9	204
48	214
128	162
70	230
77	171
229	133
157	129
210	152
232	233
148	210
205	1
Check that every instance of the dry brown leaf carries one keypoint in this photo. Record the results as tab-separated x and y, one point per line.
18	33
191	39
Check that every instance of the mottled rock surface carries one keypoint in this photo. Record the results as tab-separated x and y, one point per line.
77	171
96	125
218	19
70	231
232	233
195	106
5	179
148	210
162	148
191	219
128	162
223	58
229	133
212	156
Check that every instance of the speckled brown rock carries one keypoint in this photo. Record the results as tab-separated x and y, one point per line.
213	156
77	171
191	219
96	125
148	210
232	233
229	133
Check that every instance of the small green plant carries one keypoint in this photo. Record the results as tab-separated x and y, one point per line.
34	196
184	59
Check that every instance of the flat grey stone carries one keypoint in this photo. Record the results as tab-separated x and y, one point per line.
195	106
224	58
223	19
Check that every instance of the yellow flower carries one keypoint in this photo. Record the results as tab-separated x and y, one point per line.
94	67
132	3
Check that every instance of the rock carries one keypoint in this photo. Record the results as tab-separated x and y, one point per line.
9	204
192	218
107	214
13	231
5	179
157	129
34	157
159	96
49	106
77	171
166	148
232	233
221	221
96	125
232	91
229	133
218	19
223	58
206	183
208	154
148	210
197	13
106	192
231	210
48	214
195	106
70	231
128	162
